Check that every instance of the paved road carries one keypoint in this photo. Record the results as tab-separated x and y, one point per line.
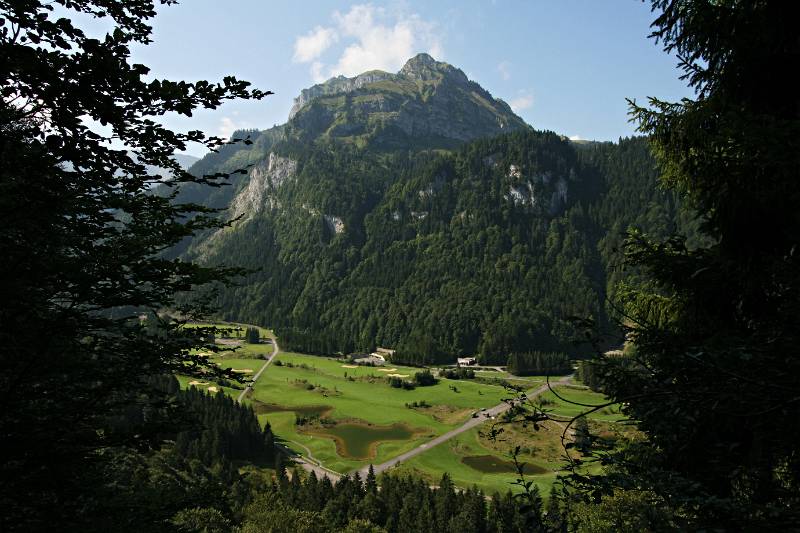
469	424
275	351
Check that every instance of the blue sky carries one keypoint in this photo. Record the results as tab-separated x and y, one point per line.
564	65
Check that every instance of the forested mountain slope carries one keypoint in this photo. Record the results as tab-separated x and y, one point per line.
489	248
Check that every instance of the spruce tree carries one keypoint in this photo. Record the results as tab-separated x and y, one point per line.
714	325
583	439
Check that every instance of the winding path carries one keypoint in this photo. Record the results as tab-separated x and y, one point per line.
275	351
308	462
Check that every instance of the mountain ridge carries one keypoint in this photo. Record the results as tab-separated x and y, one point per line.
427	102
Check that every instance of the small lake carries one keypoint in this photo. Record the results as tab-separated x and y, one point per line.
303	410
359	441
489	464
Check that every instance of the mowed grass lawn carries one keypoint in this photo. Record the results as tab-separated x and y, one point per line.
448	457
239	349
542	449
372	402
236	354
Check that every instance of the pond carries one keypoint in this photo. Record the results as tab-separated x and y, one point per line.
360	441
489	464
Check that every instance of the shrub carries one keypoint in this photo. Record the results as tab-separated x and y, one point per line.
425	378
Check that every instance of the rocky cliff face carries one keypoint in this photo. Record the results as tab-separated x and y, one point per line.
265	178
427	102
339	84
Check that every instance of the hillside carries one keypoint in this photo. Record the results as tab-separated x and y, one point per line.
490	247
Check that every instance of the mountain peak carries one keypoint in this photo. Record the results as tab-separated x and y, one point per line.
424	67
418	60
427	103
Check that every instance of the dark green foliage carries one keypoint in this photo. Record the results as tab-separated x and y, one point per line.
224	429
457	373
539	364
583	438
425	378
481	272
713	379
81	241
400	383
397	504
252	336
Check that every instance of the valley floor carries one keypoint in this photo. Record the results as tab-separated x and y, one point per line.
340	418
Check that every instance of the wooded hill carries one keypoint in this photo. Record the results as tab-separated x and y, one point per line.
492	248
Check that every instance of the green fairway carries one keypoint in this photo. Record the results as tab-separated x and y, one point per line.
230	340
471	459
362	395
347	416
206	385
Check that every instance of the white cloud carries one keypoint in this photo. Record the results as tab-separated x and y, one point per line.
575	138
375	39
227	126
521	102
317	72
504	68
311	46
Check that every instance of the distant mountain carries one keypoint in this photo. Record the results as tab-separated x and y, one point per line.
185	160
415	211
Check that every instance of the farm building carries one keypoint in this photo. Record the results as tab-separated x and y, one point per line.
466	361
371	359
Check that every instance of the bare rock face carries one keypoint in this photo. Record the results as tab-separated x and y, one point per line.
337	85
265	178
543	192
334	223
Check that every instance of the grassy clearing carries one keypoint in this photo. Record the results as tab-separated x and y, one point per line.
469	457
363	394
207	385
361	397
473	446
563	409
238	348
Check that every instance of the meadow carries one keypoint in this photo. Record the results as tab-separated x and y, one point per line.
347	416
360	395
475	458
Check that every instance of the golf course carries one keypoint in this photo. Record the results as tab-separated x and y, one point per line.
344	416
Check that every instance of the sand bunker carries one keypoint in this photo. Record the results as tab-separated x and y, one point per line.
349	366
387	370
397	375
195	383
212	389
243	370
